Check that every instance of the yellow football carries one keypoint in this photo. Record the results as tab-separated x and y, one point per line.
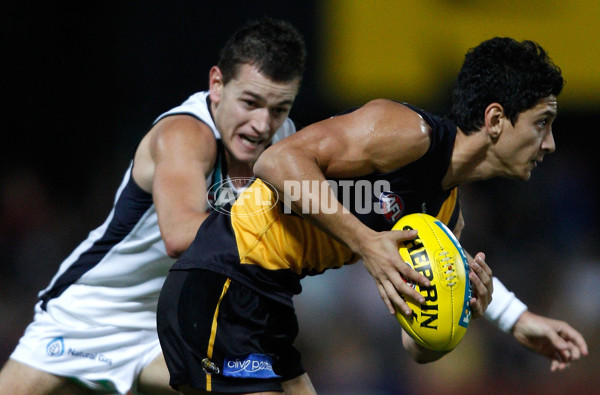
441	322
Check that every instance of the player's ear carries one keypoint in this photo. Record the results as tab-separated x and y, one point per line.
215	83
494	114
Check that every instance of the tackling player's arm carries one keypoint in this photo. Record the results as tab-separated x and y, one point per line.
554	339
172	163
378	137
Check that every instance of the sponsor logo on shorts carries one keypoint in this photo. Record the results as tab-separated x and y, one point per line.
94	356
258	366
56	347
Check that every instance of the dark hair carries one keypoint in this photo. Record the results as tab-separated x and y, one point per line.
274	46
501	70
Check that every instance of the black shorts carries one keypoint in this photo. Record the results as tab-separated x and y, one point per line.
218	335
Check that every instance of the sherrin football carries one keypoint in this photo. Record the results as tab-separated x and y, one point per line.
441	322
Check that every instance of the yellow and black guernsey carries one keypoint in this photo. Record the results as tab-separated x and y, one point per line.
269	249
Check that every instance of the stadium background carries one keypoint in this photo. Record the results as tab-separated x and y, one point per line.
82	83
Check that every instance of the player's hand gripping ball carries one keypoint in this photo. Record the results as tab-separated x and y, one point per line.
441	322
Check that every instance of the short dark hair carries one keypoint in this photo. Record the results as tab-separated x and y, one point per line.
502	70
274	46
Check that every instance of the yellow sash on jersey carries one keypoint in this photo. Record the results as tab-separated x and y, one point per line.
268	238
447	209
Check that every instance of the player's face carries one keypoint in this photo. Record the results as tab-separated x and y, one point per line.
526	143
249	109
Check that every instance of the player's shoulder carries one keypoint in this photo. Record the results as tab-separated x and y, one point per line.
401	123
392	108
175	138
182	126
397	115
179	138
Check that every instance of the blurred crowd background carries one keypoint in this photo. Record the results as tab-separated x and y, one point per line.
83	82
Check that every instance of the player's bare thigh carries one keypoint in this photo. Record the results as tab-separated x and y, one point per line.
19	379
300	385
154	378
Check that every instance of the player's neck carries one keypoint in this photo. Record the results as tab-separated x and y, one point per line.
469	162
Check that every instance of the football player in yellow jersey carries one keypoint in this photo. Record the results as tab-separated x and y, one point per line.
504	104
330	195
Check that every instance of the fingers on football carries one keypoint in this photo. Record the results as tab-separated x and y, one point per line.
404	235
477	278
480	258
385	298
407	272
476	308
400	304
390	297
482	269
390	288
399	287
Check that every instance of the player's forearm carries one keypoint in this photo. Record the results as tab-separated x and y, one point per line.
505	308
179	231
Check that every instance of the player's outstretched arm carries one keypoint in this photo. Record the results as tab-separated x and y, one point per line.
554	339
551	338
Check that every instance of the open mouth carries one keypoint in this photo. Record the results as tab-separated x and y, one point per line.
534	163
251	141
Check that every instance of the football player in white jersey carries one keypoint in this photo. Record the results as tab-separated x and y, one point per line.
94	328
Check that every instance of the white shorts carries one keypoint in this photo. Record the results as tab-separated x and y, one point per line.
105	358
